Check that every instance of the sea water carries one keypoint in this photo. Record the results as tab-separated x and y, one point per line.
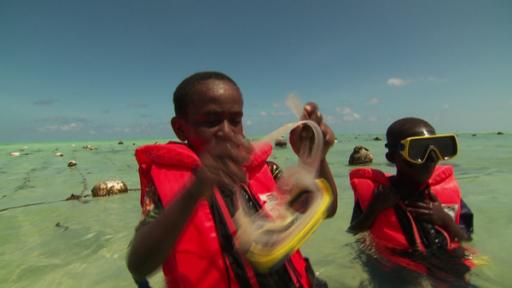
48	242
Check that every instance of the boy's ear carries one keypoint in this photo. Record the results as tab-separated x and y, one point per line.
178	126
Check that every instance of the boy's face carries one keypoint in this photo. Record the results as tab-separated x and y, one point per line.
416	173
214	113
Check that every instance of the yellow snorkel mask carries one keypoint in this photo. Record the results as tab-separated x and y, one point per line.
269	236
416	149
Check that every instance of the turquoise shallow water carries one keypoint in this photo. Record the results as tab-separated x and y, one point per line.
56	243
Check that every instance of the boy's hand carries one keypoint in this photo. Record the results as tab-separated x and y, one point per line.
303	134
222	163
430	211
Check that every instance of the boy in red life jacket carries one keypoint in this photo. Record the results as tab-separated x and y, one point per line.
416	218
188	191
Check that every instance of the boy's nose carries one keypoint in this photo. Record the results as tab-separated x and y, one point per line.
225	129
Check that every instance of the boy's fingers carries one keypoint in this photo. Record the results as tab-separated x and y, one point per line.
416	204
420	212
433	197
309	110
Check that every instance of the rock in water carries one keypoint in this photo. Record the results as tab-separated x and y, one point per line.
89	147
280	142
72	163
360	156
108	188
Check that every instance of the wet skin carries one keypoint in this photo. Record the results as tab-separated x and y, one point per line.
218	118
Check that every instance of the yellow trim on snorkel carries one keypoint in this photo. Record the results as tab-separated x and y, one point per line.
406	144
263	259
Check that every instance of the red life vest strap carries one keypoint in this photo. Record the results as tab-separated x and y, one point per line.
232	231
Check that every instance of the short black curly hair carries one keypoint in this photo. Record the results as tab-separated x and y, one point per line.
404	128
182	93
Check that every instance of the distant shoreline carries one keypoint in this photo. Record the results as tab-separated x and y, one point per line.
139	141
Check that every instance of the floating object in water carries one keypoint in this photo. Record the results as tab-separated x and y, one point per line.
64	227
89	147
108	188
360	156
499	133
72	163
280	142
59	154
14	154
74	197
269	236
120	142
377	138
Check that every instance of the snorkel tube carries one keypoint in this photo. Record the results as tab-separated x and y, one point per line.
267	237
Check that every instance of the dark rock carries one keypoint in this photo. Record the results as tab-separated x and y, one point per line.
120	142
499	133
89	147
74	197
360	156
64	227
72	163
377	139
281	143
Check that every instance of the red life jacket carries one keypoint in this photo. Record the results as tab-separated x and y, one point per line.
386	232
197	259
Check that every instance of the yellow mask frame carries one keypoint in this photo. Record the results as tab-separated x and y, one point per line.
416	149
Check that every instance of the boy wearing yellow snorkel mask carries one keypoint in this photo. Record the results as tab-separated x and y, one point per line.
189	188
416	218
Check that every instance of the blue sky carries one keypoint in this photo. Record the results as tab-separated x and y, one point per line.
84	70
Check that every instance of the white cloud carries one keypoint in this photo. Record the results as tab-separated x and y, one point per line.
372	119
263	113
374	101
446	106
397	82
347	114
248	122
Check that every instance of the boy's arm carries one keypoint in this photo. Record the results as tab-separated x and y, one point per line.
456	233
152	241
325	172
311	112
221	167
